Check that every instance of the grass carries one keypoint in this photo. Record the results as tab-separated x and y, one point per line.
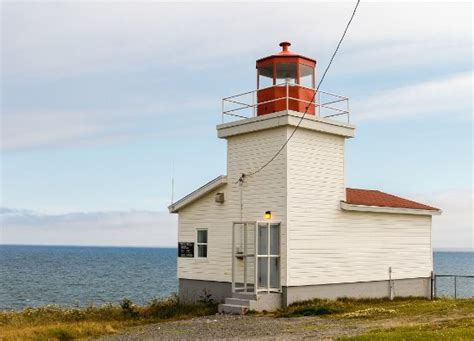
460	329
60	323
378	308
376	319
400	319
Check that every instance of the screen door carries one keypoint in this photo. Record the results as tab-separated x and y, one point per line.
268	264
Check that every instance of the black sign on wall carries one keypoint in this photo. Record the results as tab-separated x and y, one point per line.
185	249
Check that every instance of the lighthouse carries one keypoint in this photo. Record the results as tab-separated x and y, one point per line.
285	81
262	238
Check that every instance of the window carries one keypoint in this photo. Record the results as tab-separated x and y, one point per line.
201	243
265	76
286	73
306	76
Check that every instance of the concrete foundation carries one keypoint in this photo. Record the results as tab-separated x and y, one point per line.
191	290
416	287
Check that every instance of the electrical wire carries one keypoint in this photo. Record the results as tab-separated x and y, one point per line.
242	177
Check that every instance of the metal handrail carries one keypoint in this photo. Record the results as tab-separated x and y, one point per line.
239	101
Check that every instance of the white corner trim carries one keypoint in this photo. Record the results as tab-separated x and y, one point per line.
382	209
198	193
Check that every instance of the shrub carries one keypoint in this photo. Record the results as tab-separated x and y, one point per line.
128	308
60	334
206	298
312	311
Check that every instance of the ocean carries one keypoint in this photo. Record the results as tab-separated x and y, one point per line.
32	276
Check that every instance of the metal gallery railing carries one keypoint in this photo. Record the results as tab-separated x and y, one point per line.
450	288
246	104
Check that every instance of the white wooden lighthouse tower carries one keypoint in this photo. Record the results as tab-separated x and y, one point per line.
269	234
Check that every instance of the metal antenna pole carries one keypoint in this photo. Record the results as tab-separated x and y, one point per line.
172	184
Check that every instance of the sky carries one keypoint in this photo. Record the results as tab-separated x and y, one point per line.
100	99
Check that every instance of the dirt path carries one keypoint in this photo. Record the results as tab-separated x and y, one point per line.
238	327
251	327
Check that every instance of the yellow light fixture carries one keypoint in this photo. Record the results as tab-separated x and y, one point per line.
268	215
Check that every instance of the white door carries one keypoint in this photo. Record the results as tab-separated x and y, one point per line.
268	267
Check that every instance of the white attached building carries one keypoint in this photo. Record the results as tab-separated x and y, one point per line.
266	237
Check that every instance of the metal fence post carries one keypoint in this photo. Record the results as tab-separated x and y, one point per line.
390	283
431	286
455	287
434	286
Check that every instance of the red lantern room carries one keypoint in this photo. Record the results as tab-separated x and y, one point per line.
285	81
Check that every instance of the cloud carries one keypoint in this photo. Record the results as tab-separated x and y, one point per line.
42	40
114	228
454	228
35	129
27	129
434	97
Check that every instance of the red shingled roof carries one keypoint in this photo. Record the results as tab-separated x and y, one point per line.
368	197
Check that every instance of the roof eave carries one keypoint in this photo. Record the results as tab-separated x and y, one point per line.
288	55
198	193
386	209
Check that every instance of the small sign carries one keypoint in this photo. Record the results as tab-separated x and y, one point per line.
186	249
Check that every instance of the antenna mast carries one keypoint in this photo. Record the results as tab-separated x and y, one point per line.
172	184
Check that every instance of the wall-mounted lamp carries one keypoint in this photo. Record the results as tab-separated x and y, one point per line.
268	215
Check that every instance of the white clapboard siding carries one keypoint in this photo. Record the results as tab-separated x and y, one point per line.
303	188
205	213
328	245
265	192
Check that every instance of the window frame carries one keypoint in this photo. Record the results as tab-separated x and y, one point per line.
271	79
312	75
201	244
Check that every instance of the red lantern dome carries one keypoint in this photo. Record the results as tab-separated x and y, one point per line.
285	81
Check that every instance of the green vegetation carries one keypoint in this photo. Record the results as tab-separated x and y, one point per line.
460	329
311	310
379	308
376	319
400	319
59	323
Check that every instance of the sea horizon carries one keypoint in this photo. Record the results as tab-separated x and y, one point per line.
437	249
80	275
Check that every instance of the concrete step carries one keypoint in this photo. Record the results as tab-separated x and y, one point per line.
238	301
232	309
244	296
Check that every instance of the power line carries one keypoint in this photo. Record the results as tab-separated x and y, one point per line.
241	179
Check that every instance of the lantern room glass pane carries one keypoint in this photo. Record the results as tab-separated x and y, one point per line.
306	76
265	76
285	72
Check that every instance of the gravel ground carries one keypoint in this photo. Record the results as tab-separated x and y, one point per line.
231	327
